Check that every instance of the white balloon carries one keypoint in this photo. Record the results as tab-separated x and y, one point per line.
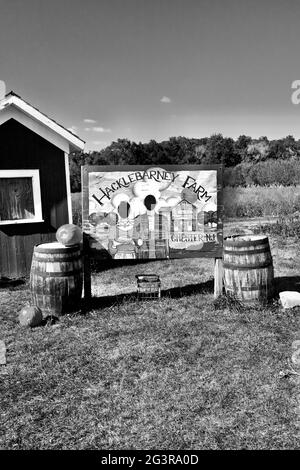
118	198
137	207
141	190
160	203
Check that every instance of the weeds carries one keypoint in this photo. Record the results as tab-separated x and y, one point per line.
229	301
258	201
285	227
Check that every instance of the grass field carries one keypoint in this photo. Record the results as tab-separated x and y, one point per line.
261	201
252	201
184	372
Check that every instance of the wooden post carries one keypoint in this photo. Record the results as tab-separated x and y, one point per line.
86	245
218	285
86	270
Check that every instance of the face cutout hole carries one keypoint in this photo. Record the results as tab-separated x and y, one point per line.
124	209
150	202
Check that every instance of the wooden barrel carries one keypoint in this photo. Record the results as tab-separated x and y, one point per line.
56	278
248	268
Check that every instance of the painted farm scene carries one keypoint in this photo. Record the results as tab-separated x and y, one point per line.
149	228
152	213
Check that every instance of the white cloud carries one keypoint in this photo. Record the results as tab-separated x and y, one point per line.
165	99
100	142
89	121
87	129
100	129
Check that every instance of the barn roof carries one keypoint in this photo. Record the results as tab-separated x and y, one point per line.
185	201
14	100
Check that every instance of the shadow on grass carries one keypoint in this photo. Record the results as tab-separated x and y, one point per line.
5	282
173	293
280	283
49	320
287	283
101	265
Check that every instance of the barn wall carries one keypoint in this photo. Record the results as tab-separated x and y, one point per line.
21	148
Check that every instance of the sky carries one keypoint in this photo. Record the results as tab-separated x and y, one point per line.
154	69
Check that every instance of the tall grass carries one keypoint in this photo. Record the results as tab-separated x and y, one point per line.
266	173
260	201
76	209
252	201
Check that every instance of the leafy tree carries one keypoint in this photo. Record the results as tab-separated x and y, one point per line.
77	159
241	146
242	158
221	149
257	150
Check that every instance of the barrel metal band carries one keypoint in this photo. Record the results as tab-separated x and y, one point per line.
248	252
66	250
249	266
56	274
56	260
254	288
245	243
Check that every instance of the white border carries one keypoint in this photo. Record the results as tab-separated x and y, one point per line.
37	202
12	112
74	142
69	198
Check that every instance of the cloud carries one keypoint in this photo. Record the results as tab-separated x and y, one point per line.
165	99
89	121
100	129
100	142
87	129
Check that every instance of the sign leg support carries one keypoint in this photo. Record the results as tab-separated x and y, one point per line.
87	284
218	284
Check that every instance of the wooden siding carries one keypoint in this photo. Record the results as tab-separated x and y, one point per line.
20	148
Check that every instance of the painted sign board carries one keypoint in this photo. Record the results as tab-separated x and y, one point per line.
147	212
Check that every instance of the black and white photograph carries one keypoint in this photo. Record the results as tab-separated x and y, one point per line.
149	228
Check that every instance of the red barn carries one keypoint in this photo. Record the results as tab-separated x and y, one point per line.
35	196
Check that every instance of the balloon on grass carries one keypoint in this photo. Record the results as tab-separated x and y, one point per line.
30	316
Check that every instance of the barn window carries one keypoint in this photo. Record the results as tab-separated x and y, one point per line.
20	197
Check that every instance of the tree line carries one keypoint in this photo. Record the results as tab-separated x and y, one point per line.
246	160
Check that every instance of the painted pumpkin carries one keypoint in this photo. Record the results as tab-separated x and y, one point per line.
69	234
30	316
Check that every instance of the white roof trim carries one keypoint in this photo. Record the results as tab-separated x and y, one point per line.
13	100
